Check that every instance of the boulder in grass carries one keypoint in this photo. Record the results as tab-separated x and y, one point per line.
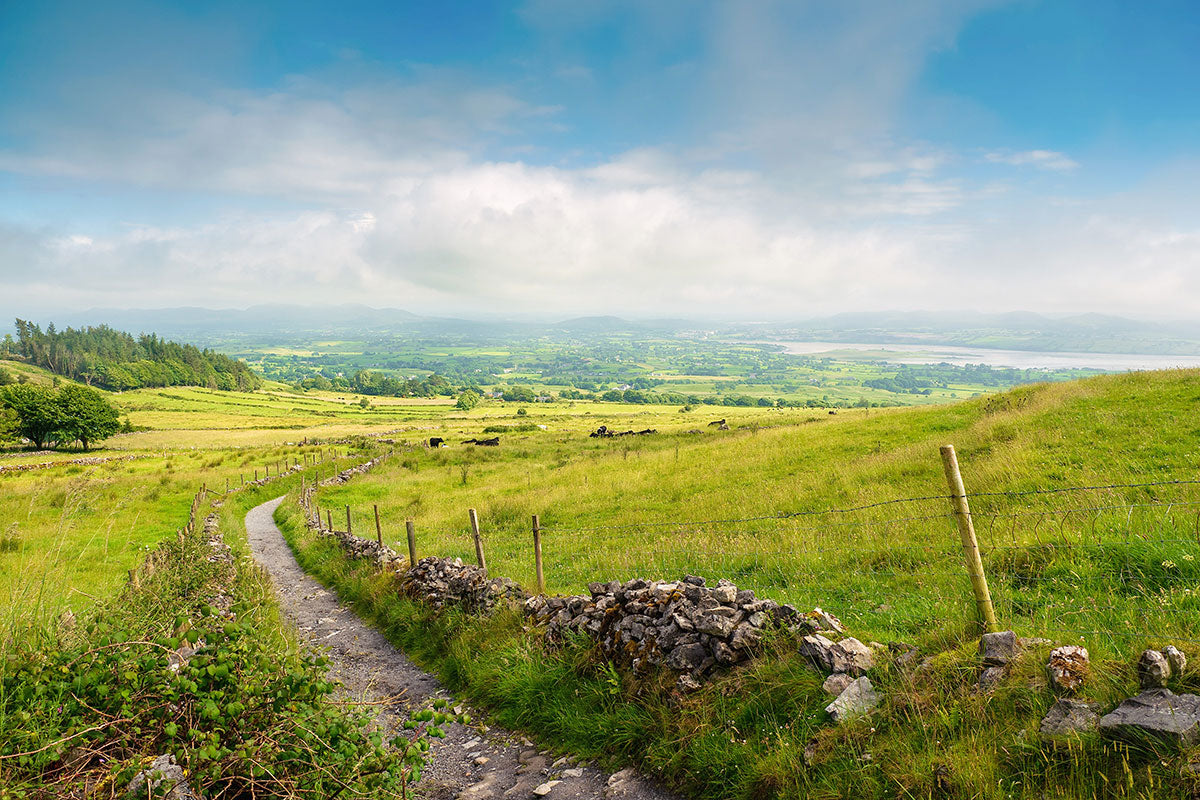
1068	716
997	649
1067	668
856	701
1156	712
1153	669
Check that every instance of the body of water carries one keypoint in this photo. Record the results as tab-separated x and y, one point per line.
1017	359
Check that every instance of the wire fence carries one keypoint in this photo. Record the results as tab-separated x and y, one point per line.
1113	566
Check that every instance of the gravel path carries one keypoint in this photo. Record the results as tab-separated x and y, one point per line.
473	762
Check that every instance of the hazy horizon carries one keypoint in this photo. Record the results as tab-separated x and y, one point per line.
546	159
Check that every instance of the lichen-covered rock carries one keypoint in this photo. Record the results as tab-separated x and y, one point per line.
850	656
1158	712
163	779
686	625
1176	659
442	582
997	649
1067	668
1070	716
856	700
1153	669
836	683
818	650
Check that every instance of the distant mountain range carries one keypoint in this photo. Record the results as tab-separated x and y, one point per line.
1016	330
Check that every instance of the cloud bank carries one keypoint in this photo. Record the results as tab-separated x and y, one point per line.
790	187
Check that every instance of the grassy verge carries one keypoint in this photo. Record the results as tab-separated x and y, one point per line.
760	732
86	705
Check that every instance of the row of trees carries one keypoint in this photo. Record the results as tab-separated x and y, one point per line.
62	416
380	385
116	360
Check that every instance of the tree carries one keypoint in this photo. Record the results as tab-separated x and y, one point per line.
86	415
6	377
467	400
9	425
38	416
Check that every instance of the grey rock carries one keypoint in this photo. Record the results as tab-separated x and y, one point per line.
545	788
816	648
850	656
836	683
745	636
856	700
827	621
687	657
1070	716
991	677
163	780
1159	712
997	649
1176	659
1153	670
1067	668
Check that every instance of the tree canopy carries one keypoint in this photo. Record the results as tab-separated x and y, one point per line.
70	413
116	360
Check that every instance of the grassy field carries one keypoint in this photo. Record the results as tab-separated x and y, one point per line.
845	511
1113	568
1115	561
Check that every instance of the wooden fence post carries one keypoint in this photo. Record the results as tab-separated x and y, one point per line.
537	555
966	530
378	530
411	528
329	519
478	542
348	529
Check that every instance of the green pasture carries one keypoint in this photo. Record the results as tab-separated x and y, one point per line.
1117	564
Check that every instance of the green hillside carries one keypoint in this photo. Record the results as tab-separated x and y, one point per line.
1113	568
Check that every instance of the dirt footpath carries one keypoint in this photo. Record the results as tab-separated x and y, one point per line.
473	762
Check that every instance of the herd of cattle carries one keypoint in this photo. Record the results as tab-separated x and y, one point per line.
603	432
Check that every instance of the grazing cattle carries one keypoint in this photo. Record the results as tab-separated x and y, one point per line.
833	411
493	442
716	423
601	433
436	441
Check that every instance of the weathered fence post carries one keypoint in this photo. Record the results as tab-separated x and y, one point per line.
537	555
349	530
378	530
411	529
329	519
475	533
966	530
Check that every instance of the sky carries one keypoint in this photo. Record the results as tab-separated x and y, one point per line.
755	160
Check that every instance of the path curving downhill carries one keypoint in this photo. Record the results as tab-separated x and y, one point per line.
473	762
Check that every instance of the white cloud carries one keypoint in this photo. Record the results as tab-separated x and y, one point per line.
1042	159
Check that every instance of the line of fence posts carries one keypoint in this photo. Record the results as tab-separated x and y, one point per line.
958	500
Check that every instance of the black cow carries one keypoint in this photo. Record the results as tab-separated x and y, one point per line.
436	441
493	442
716	423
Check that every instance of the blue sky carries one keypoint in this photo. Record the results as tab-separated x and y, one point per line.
755	159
